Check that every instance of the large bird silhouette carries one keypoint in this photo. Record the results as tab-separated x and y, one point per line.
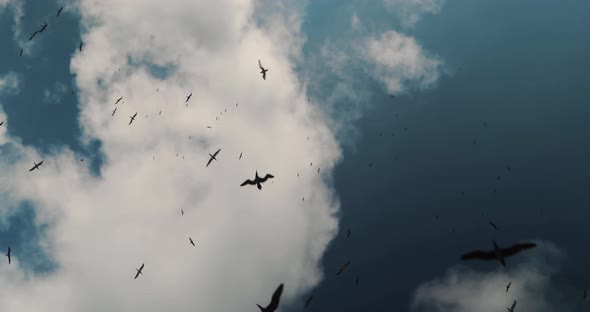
274	302
498	253
258	180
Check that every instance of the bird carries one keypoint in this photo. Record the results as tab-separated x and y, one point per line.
43	27
343	267
493	224
181	212
114	110
191	241
212	157
118	100
585	291
274	301
8	255
240	156
36	166
508	286
80	47
392	96
59	11
21	52
33	35
262	70
508	167
188	97
308	301
498	253
2	122
511	309
132	118
356	282
139	270
258	180
347	233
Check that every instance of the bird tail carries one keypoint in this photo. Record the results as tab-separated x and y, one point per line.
261	308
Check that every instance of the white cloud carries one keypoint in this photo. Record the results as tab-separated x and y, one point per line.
10	83
102	228
410	11
55	94
399	61
465	290
355	22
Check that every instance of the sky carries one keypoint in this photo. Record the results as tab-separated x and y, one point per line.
479	87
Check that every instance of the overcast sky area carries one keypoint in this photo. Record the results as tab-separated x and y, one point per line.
409	123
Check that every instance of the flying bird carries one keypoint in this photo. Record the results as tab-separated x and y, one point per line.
139	270
2	122
308	301
118	100
114	110
262	70
274	302
80	47
357	281
181	212
36	166
212	157
191	241
508	286
493	225
132	118
392	96
43	27
511	309
258	180
188	97
59	11
21	52
240	156
585	291
347	233
8	255
498	253
343	267
33	35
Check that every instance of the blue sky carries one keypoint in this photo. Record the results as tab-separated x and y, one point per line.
392	170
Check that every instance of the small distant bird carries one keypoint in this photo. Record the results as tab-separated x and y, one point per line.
208	127
8	255
585	291
43	27
274	302
33	35
508	167
2	122
498	253
181	212
357	281
370	164
36	166
485	124
139	270
132	118
80	47
160	113
343	267
511	309
212	157
493	224
318	170
262	70
21	52
508	286
118	100
188	97
191	241
392	96
308	301
258	180
59	11
347	233
114	110
240	156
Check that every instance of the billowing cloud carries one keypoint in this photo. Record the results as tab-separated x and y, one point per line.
101	228
410	11
533	286
400	62
9	83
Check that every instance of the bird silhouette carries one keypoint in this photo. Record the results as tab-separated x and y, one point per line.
59	11
188	97
8	255
36	166
80	47
511	309
191	241
262	70
508	286
240	156
498	253
343	267
274	301
118	100
139	271
181	212
493	224
132	118
356	282
21	52
212	157
114	110
258	180
308	301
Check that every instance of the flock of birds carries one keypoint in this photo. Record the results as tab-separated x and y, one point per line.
496	254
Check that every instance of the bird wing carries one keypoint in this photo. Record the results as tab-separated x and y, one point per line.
512	250
248	182
219	150
32	168
276	297
513	305
260	65
210	160
136	275
478	254
266	177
